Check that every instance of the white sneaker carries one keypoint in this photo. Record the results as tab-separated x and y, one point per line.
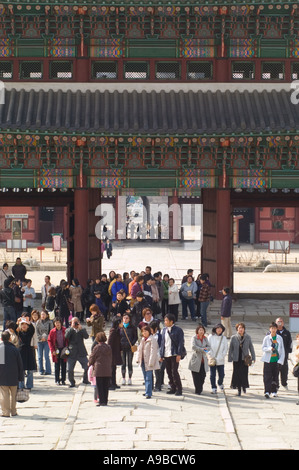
214	391
129	381
274	394
123	382
267	395
221	387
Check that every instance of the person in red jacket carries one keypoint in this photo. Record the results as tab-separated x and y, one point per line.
57	342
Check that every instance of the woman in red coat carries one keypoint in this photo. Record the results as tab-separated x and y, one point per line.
57	342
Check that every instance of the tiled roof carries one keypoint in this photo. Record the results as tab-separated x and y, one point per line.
154	112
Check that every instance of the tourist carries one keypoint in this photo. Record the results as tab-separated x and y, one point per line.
139	305
51	302
87	297
188	294
43	327
75	335
101	360
19	270
218	350
159	373
28	296
148	358
45	290
18	297
11	374
198	363
115	344
26	332
120	307
296	362
173	298
96	320
128	338
273	355
287	343
240	349
8	301
57	342
204	298
165	298
5	272
117	286
63	302
108	248
76	292
172	350
11	327
137	286
226	311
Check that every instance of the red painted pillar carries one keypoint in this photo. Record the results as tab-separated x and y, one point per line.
217	252
81	258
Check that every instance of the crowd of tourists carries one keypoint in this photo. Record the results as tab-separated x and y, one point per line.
142	310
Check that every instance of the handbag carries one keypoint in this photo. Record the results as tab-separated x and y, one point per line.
133	348
212	360
65	352
248	360
22	395
296	370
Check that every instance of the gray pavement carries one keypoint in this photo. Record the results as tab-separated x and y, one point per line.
62	418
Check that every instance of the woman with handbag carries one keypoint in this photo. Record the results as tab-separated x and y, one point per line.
57	344
101	360
198	363
128	338
216	358
241	353
63	302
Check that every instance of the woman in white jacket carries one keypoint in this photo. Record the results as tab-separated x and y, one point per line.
148	358
173	298
273	354
219	346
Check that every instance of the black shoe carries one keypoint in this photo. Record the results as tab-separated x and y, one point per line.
72	385
171	392
178	393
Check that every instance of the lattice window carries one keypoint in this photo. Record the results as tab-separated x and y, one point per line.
31	70
273	71
295	70
136	70
243	70
62	70
104	70
6	70
199	70
168	71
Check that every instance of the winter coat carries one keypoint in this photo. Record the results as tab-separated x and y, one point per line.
177	341
11	370
43	328
114	343
116	287
76	342
198	354
97	323
26	350
19	271
52	342
173	295
132	335
101	360
148	352
226	306
75	297
234	348
188	291
214	341
7	297
136	312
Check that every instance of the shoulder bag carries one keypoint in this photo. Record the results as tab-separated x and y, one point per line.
212	360
133	348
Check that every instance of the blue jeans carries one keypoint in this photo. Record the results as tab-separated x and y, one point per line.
43	350
9	314
220	370
29	380
148	379
190	304
203	312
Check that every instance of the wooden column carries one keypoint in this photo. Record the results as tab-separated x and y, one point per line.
217	249
81	209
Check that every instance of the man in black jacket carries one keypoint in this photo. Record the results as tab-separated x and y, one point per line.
11	373
75	336
172	350
287	342
7	297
